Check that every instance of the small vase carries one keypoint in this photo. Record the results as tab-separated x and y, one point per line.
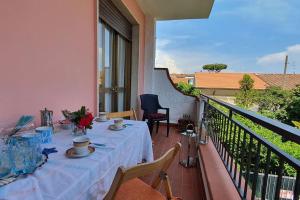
79	131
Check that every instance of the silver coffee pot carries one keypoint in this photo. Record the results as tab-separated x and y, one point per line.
47	117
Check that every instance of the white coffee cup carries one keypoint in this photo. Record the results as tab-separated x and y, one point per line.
118	123
103	116
81	145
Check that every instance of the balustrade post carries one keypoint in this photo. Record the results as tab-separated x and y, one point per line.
202	122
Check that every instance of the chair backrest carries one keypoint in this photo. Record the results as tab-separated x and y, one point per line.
149	103
129	113
161	164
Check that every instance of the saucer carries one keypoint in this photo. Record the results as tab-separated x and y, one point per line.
70	153
114	128
97	119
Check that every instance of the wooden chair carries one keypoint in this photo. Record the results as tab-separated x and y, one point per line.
127	186
130	113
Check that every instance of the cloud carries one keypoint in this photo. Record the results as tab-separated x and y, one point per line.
271	59
178	61
164	60
162	43
276	60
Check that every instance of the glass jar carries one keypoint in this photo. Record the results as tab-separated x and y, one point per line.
5	161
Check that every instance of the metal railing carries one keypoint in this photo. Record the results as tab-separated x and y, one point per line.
246	154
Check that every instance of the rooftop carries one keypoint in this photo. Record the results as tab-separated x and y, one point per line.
225	80
289	82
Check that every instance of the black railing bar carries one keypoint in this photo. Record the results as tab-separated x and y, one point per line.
232	148
248	166
226	139
266	174
219	128
242	157
257	160
215	127
288	158
229	141
221	133
291	160
238	146
288	132
222	112
279	179
297	186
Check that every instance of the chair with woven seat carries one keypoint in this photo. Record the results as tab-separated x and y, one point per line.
129	113
127	186
150	105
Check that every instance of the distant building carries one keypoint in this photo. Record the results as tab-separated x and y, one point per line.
288	81
184	78
225	85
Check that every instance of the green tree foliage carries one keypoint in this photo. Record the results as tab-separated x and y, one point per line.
289	147
293	108
214	67
247	96
297	124
273	101
188	89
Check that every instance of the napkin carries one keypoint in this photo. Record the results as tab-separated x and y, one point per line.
47	151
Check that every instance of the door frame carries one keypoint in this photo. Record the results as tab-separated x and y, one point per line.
135	54
114	41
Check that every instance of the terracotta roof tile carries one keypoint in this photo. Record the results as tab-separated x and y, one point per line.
291	80
225	80
176	78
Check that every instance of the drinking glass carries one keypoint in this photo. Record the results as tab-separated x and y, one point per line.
5	161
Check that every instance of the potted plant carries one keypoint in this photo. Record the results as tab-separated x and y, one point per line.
82	120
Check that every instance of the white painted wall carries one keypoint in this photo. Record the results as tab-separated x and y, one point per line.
178	103
157	82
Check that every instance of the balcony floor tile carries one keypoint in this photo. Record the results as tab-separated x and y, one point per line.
185	182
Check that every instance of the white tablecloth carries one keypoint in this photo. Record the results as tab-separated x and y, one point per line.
84	178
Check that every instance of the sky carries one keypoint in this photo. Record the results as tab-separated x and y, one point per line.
247	35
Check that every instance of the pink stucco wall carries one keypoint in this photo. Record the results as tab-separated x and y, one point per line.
47	57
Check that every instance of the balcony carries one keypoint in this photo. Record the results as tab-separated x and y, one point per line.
258	168
54	60
236	162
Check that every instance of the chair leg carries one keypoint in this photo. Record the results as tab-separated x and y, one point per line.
157	126
150	125
168	127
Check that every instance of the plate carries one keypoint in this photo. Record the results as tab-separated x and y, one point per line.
97	119
113	127
70	153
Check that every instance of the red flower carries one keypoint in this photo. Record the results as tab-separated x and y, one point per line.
90	116
86	121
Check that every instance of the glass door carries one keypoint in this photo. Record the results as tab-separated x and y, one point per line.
114	70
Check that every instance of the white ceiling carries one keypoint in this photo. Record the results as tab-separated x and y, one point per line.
176	9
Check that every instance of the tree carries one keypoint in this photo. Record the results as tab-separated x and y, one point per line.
273	101
247	83
246	97
214	67
293	108
188	89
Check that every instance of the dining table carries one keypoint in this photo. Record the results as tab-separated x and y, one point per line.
63	178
